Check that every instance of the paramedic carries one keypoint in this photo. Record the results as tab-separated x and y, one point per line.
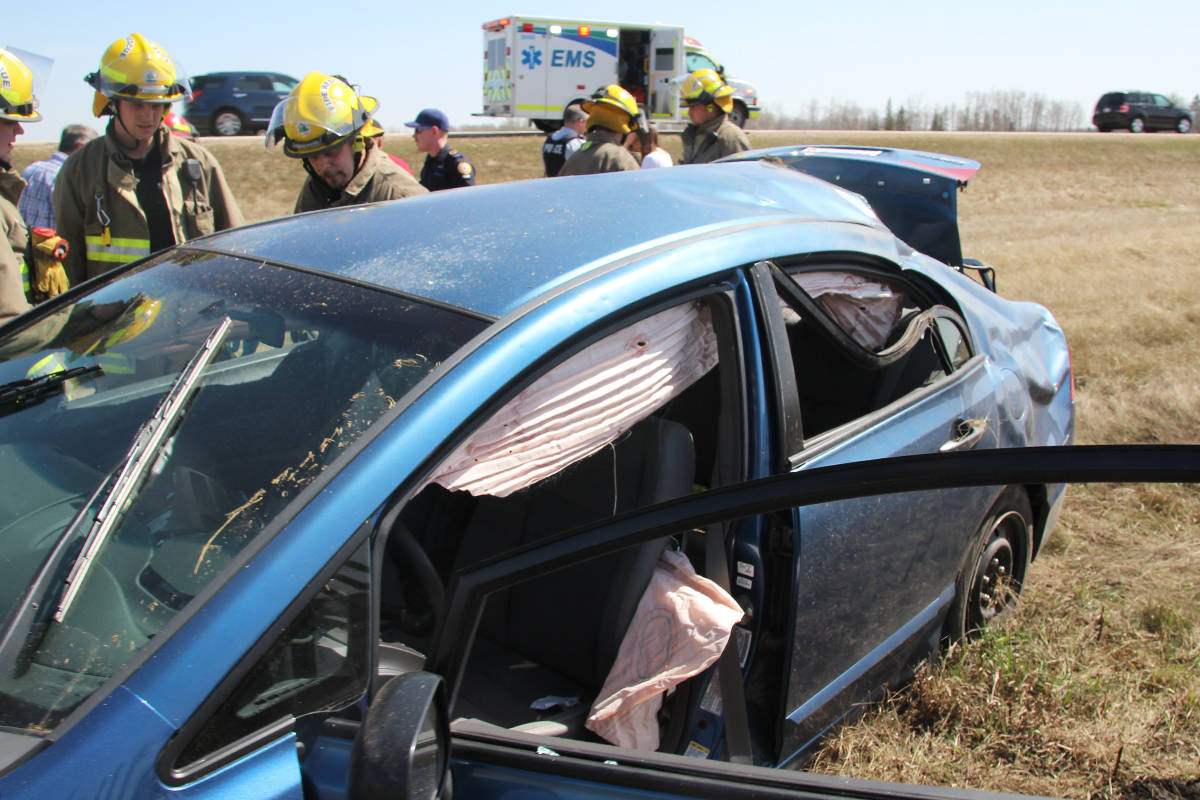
445	167
710	134
137	189
612	113
324	123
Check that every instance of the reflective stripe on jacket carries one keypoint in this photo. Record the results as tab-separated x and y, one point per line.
96	189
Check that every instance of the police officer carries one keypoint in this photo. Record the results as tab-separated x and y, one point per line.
710	134
445	167
17	105
612	113
562	143
324	122
137	189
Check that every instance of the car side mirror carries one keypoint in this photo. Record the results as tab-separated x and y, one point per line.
402	747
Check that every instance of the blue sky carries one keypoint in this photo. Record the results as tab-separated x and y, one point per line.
412	55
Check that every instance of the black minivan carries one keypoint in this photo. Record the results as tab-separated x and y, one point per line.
1139	112
235	103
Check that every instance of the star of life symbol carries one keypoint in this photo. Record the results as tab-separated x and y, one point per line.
531	57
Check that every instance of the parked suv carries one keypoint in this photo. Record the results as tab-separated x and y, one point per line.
233	103
1140	111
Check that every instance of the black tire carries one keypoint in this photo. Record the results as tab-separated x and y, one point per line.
1137	125
1103	128
1184	125
228	122
738	116
991	577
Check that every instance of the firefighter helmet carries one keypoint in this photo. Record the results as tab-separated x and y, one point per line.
17	102
612	108
136	69
320	114
705	86
178	125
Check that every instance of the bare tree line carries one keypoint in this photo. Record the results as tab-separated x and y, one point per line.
997	110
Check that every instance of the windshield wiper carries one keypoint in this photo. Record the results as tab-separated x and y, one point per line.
151	442
19	395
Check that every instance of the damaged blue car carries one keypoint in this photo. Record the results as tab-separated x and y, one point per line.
472	469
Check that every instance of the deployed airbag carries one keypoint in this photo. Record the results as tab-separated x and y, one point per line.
680	627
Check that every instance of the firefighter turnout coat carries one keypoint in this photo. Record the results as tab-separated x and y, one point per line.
714	139
14	238
379	178
96	207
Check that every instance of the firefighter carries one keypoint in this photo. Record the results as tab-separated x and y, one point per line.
709	134
17	105
137	189
323	122
612	113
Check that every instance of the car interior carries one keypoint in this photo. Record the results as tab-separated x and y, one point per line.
544	647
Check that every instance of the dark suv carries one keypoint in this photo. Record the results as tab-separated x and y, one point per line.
1140	111
233	103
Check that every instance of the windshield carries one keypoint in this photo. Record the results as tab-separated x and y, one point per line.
306	366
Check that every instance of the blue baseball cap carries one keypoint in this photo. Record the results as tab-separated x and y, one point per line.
429	118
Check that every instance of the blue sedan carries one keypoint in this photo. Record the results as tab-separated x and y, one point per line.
261	485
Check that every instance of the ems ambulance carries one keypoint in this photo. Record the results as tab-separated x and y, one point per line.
534	67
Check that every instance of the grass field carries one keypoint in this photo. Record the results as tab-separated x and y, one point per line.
1095	686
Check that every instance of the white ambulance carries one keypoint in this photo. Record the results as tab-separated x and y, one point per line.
534	67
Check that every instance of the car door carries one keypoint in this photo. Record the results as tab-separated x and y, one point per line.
1162	112
255	94
871	577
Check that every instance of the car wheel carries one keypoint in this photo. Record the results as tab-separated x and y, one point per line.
228	122
987	587
1184	125
1137	125
738	115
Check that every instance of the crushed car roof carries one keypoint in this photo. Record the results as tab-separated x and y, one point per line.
489	248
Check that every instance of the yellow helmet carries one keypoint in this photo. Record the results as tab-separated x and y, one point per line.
137	69
17	102
705	86
128	322
613	108
372	128
321	112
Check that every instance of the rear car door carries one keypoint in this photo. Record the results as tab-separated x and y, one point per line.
870	577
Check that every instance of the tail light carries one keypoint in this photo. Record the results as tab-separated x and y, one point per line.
196	94
1124	109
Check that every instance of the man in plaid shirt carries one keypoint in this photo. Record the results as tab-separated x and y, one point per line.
36	204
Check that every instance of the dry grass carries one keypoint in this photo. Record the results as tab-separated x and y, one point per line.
1095	683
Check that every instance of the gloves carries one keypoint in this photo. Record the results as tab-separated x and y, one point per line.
49	249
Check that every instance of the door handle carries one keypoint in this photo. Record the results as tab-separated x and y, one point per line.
967	432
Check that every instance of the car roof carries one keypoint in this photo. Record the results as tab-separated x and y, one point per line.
492	248
230	73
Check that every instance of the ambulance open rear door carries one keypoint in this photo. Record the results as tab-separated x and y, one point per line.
666	62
